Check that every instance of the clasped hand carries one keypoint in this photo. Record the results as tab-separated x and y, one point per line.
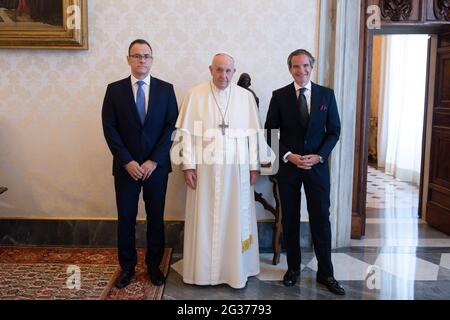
140	172
304	162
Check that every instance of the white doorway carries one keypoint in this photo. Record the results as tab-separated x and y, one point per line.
399	74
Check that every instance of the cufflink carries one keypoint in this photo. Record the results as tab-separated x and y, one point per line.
320	159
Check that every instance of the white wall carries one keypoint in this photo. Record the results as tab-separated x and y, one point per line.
53	157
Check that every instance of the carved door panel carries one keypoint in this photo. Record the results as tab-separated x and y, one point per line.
438	201
397	11
438	10
414	12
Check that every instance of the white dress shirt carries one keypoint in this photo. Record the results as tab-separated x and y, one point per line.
145	87
308	102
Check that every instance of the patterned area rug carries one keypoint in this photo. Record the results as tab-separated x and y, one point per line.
140	287
64	273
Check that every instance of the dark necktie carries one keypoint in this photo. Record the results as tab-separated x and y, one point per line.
140	101
303	105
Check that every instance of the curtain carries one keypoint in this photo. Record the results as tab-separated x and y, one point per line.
401	109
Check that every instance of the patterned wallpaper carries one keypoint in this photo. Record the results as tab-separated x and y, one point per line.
53	157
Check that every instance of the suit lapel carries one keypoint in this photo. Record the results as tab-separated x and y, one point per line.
292	101
153	99
315	97
313	111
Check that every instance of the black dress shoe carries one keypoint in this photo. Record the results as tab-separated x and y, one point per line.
156	276
124	279
290	278
332	285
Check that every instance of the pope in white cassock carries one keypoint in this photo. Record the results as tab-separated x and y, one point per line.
218	124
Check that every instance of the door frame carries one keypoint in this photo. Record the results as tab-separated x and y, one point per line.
363	112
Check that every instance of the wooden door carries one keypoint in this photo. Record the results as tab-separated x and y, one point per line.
438	201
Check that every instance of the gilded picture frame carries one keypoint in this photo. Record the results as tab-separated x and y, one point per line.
43	24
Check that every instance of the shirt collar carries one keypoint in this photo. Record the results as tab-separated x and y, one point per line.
146	80
308	86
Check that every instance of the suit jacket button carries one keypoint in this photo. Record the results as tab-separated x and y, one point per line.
306	141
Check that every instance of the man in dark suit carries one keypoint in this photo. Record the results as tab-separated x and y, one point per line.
307	117
139	115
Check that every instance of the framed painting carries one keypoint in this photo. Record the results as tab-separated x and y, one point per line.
49	24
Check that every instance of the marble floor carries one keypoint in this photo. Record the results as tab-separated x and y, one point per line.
400	258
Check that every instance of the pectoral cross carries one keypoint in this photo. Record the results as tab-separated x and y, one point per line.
223	126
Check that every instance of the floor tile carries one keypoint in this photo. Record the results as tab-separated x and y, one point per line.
380	242
445	260
269	272
408	267
345	267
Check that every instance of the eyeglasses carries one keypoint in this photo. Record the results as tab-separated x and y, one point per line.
140	56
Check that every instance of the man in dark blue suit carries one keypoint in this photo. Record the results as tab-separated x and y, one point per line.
307	117
139	115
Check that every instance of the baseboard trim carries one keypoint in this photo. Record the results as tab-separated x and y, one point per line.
102	233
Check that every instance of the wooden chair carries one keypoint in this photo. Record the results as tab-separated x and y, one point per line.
276	236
